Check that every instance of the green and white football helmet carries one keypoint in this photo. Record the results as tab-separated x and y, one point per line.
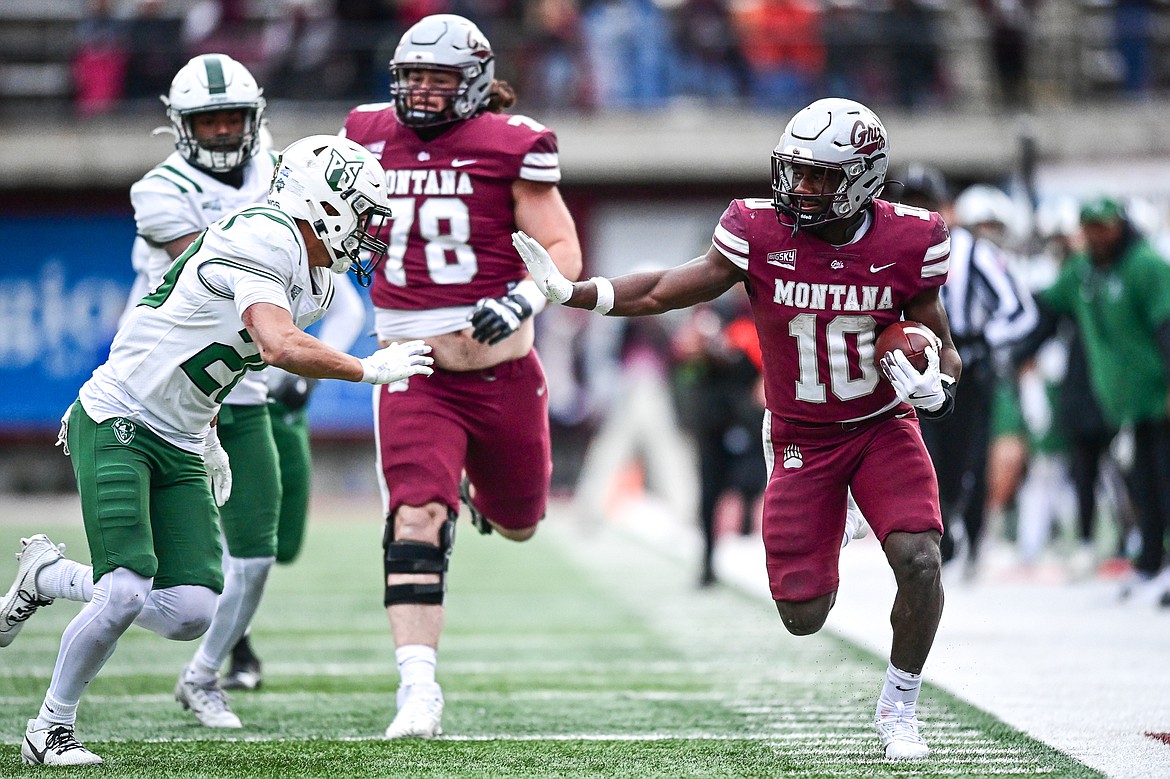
215	82
338	187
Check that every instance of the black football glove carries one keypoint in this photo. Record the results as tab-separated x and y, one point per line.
290	390
494	319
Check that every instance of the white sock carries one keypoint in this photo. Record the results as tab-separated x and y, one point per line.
54	712
66	579
416	664
900	688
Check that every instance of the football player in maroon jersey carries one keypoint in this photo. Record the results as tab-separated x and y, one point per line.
827	267
462	177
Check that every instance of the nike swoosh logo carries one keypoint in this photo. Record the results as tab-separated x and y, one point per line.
903	689
39	754
918	397
462	163
876	268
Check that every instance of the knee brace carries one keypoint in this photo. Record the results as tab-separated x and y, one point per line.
417	557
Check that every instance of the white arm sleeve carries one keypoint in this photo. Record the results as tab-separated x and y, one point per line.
346	318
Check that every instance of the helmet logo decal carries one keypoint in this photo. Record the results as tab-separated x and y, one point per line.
341	174
866	138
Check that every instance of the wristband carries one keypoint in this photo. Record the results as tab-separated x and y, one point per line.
528	290
604	295
948	404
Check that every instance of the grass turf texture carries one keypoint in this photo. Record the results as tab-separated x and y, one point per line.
570	656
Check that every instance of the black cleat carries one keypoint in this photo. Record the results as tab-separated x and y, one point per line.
244	671
477	518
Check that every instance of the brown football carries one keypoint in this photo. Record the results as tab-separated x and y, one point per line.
911	337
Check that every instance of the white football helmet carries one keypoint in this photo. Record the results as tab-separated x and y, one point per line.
442	42
848	142
339	188
215	82
984	204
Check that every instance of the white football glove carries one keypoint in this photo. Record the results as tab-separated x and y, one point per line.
921	390
218	468
548	279
396	362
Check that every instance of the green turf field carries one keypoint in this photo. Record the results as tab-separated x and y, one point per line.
575	655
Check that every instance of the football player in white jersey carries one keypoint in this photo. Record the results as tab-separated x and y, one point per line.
141	435
221	162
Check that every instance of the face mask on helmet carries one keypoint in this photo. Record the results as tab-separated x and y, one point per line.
830	163
215	85
443	47
339	188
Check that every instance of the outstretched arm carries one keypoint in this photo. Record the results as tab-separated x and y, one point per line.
284	345
634	294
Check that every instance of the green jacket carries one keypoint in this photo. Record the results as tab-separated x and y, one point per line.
1118	310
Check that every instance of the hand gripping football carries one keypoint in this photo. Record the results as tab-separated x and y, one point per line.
911	337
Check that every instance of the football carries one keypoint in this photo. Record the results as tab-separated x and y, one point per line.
911	337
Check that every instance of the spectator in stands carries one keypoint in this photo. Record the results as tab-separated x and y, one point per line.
1010	26
914	51
988	311
155	57
99	64
1133	31
557	76
710	63
1118	292
784	48
628	52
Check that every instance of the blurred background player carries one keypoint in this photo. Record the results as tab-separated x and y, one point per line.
988	311
220	163
141	436
826	267
462	176
1117	291
721	393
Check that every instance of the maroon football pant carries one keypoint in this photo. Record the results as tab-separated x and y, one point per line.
886	465
491	423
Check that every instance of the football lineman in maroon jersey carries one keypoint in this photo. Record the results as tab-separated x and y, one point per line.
462	176
827	267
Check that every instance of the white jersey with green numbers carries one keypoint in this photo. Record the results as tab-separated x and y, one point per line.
183	348
175	199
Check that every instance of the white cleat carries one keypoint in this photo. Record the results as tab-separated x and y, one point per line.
23	599
208	703
855	524
420	712
54	745
899	736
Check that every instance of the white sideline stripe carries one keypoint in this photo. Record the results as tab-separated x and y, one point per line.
623	667
865	744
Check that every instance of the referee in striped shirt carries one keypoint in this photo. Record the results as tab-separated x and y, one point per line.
988	311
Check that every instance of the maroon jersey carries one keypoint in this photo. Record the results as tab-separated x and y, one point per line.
451	236
818	308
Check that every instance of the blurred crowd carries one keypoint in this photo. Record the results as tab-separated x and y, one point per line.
612	54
